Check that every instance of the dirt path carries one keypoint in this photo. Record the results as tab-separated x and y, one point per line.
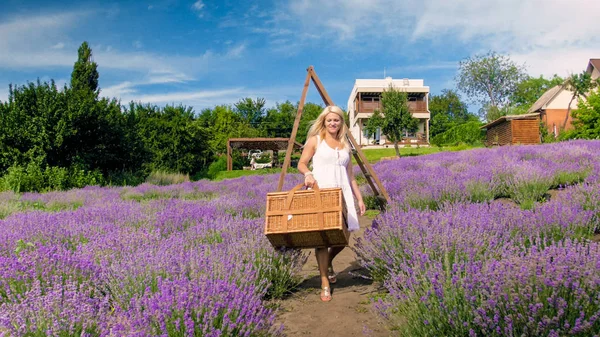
350	312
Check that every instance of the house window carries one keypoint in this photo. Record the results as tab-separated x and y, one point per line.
376	136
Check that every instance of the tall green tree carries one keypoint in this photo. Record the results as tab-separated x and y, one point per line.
395	119
489	79
252	111
85	71
447	111
580	85
94	127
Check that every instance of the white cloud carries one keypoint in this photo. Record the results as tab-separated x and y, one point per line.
37	42
550	36
137	44
200	99
59	45
236	51
118	90
198	8
28	42
560	62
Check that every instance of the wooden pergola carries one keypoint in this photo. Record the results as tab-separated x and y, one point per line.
273	144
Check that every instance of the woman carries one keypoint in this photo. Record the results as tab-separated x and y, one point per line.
327	146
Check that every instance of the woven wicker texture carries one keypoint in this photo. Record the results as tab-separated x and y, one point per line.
302	225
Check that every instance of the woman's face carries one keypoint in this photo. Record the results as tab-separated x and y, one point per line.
332	123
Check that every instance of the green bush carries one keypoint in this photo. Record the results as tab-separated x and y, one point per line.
163	178
125	178
467	133
33	178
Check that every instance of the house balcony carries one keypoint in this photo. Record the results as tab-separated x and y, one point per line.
370	107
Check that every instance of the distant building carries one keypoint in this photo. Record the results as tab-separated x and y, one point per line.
365	98
554	103
513	130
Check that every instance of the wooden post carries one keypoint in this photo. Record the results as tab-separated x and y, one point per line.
229	160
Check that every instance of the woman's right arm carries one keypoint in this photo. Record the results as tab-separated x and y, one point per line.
307	153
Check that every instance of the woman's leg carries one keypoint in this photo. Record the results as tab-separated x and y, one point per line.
323	262
333	252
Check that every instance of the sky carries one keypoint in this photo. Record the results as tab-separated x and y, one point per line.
205	53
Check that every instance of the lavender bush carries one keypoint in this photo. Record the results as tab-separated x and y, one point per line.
458	262
524	173
179	260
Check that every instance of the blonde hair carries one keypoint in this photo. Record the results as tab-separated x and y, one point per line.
318	126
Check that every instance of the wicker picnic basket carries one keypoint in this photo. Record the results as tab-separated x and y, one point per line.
307	218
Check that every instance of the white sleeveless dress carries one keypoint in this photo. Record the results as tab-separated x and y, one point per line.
329	169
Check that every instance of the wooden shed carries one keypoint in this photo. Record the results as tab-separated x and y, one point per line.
513	129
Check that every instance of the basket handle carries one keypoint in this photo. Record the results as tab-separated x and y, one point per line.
290	196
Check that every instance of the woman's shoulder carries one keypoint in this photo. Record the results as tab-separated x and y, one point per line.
313	140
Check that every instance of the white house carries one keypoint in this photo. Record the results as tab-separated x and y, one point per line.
365	98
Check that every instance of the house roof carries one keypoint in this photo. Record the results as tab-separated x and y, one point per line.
545	98
510	117
594	63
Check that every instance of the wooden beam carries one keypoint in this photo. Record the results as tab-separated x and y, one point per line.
370	176
369	173
320	87
290	148
229	159
364	165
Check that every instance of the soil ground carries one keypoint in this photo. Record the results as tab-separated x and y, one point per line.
349	313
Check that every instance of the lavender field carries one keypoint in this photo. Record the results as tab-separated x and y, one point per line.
180	260
486	242
476	244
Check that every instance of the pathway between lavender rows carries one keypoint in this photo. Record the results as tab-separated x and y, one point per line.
350	312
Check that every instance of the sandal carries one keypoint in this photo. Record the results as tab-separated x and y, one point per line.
326	294
332	276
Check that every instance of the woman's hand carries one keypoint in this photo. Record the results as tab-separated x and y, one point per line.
309	180
361	207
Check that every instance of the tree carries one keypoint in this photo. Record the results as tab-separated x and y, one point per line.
489	80
530	89
309	114
396	119
85	71
279	120
94	128
447	111
252	111
580	85
586	119
223	123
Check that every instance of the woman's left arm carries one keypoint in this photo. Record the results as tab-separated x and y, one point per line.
355	189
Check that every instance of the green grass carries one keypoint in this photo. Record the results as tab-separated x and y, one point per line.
372	155
375	155
242	173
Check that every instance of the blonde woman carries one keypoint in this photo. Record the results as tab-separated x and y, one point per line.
327	146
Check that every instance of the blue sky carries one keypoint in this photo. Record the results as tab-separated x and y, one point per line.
204	53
